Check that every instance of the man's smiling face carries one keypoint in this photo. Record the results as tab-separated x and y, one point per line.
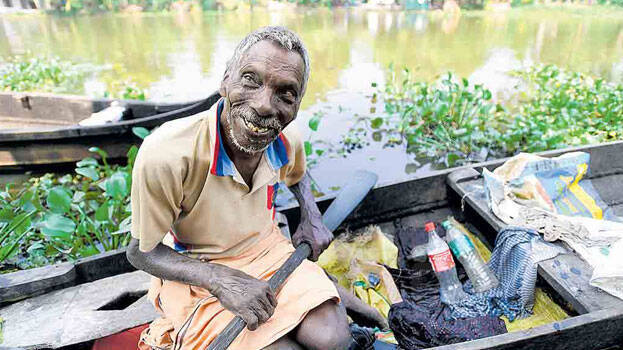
264	92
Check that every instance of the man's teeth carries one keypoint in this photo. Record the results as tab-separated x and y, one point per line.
254	127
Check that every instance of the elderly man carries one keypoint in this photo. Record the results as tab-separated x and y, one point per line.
202	213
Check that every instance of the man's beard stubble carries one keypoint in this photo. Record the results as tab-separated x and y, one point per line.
244	112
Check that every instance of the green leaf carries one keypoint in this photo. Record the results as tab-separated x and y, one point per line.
88	251
377	136
376	123
57	226
314	122
59	200
89	172
117	186
6	215
487	95
140	132
102	213
99	151
465	82
87	162
132	152
452	159
308	148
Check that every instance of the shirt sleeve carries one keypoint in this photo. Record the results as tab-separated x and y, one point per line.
297	164
156	194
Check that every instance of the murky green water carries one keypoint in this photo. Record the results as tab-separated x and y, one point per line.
181	57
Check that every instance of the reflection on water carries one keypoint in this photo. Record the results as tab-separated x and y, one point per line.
181	57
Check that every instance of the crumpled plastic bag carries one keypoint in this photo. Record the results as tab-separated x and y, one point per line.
551	196
371	246
373	284
356	261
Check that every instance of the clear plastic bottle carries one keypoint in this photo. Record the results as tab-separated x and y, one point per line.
440	257
463	249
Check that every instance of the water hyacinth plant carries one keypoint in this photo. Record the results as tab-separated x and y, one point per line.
62	218
455	122
560	108
41	73
29	73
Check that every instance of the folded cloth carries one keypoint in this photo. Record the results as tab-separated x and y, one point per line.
514	261
422	321
418	326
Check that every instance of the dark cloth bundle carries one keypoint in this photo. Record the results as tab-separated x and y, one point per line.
421	320
419	327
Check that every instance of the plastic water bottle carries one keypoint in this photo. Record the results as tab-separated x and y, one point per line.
440	258
477	270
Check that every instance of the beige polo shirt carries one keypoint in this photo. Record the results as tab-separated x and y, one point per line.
187	193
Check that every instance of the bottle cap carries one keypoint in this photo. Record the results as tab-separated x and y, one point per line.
446	224
429	226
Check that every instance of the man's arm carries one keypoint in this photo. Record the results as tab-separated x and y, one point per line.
238	292
311	229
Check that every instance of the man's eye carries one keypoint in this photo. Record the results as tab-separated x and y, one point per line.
288	97
247	77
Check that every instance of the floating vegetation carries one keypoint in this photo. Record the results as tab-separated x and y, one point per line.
51	74
455	122
56	218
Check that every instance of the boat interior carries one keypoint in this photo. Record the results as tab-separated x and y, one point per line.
595	318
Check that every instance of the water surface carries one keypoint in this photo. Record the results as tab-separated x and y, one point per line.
182	56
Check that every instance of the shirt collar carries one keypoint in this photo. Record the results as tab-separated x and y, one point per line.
276	153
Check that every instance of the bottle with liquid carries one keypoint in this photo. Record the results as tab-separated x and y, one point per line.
440	258
463	249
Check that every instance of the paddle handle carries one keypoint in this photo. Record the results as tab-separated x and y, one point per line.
227	336
347	200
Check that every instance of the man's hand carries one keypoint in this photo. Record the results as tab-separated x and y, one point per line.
311	230
242	294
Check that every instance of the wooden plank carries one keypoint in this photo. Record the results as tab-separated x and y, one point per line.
78	314
23	284
568	274
28	283
592	331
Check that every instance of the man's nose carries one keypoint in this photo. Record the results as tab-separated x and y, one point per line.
262	103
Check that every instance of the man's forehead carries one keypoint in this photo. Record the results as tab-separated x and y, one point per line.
270	53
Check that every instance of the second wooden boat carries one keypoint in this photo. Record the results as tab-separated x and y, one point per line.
42	131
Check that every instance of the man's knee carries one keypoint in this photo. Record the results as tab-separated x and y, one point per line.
325	328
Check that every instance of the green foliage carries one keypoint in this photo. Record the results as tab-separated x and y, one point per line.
52	74
127	90
562	108
56	218
455	122
41	73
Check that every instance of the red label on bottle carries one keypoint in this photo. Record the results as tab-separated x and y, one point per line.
441	261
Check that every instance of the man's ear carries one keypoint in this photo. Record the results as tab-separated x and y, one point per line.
223	88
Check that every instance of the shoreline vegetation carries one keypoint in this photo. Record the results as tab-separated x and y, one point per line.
76	7
64	217
454	122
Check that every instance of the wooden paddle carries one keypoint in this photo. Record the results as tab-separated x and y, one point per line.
346	201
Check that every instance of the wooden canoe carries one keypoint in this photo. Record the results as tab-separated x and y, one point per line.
41	131
112	304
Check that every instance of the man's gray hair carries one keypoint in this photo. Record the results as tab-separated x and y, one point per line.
281	36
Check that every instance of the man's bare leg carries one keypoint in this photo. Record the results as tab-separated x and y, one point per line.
324	328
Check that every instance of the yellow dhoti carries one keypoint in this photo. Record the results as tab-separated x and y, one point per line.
192	317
